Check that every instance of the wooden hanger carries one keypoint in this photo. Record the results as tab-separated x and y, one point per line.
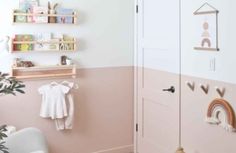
71	84
198	12
53	83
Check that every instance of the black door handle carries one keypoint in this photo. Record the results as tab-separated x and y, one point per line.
171	89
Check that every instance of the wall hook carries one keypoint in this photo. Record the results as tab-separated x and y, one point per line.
191	85
220	91
205	88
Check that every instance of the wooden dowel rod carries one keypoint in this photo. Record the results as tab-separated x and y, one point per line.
43	76
205	12
206	49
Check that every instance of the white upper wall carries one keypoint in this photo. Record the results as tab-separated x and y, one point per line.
197	63
104	31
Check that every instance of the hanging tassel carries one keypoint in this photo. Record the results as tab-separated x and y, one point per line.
180	150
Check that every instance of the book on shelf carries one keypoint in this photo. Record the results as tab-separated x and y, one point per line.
40	10
23	46
42	37
68	46
27	5
55	44
20	18
65	19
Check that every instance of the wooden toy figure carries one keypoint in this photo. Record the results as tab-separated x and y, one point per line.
52	11
63	60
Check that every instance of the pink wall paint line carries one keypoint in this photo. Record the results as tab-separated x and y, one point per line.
197	135
103	117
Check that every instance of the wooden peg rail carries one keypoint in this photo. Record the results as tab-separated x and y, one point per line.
44	72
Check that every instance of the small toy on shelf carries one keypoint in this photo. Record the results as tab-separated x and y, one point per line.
52	11
16	62
19	63
69	61
27	64
63	60
66	60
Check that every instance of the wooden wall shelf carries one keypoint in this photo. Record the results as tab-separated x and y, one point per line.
29	45
44	72
15	14
13	43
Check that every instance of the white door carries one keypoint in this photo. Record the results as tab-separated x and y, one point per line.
157	69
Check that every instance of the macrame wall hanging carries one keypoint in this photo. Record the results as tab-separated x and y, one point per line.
207	28
221	113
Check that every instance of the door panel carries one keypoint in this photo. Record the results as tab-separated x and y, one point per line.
158	68
158	34
157	112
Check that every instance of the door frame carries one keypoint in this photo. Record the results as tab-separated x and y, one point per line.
136	5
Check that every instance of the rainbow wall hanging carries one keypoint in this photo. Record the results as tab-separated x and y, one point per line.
220	107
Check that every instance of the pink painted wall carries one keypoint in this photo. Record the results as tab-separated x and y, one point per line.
199	136
103	118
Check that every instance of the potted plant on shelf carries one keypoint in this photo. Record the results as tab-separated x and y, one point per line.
8	86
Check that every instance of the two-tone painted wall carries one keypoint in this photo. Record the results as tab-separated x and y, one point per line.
104	100
199	136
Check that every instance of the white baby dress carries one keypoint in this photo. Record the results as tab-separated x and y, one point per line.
53	101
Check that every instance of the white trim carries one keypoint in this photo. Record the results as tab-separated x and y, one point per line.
114	149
